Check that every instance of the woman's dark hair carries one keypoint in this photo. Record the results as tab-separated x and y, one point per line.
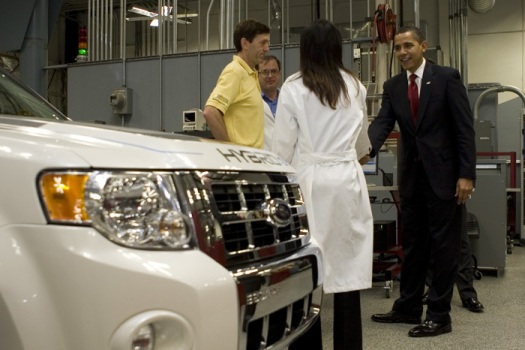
321	62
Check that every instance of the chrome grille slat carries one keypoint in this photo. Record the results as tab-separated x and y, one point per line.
239	213
268	330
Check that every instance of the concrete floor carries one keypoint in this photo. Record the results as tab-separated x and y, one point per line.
501	326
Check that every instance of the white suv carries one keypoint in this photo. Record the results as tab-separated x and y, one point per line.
121	239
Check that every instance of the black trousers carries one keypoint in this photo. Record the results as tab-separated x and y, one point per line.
465	276
348	330
431	232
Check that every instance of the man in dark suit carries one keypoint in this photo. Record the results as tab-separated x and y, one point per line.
436	165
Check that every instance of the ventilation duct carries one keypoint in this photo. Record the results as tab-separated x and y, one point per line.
481	6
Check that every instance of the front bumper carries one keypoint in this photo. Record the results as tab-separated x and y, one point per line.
65	288
279	301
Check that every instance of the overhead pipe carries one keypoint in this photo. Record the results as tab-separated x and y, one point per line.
287	22
199	57
230	25
110	14
495	89
208	24
451	46
416	13
464	43
160	51
400	13
222	16
97	30
108	29
329	10
457	36
160	27
174	27
90	31
282	41
122	39
453	34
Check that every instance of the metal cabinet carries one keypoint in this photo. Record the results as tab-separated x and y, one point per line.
489	205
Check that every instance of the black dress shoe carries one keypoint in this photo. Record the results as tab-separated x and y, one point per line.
396	317
473	304
430	329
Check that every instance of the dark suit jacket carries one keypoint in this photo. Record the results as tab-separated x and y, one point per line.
443	137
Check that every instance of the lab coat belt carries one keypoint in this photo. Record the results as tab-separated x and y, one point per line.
328	159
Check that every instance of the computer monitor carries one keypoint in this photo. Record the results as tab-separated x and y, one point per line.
372	166
193	120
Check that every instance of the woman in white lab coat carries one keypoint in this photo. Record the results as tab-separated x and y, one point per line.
322	121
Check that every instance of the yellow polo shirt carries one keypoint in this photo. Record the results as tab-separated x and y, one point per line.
238	96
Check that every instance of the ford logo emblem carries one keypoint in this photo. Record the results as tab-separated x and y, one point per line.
278	212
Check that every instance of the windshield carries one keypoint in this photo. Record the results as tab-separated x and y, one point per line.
18	100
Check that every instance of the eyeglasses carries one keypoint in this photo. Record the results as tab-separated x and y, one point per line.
266	73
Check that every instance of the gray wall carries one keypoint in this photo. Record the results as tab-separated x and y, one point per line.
162	87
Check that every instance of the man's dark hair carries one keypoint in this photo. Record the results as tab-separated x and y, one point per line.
248	29
269	58
416	32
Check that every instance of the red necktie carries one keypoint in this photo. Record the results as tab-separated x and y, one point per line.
413	96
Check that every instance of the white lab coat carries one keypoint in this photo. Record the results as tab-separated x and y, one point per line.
324	142
269	121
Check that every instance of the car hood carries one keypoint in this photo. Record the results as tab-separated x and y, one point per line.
102	146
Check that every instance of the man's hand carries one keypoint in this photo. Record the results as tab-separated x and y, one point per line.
464	189
364	160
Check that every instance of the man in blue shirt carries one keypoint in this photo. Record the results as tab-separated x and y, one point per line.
269	79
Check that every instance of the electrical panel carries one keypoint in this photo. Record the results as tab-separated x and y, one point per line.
121	101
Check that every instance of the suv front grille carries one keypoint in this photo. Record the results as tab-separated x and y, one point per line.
244	223
233	212
253	224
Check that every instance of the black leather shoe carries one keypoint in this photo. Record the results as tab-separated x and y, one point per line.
430	329
396	317
473	304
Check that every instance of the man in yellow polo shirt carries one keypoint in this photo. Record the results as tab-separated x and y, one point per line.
234	111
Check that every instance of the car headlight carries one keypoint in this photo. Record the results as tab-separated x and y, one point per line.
134	209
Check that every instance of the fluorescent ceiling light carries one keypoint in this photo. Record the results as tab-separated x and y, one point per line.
155	21
187	15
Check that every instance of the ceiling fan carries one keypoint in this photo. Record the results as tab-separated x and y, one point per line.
147	15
